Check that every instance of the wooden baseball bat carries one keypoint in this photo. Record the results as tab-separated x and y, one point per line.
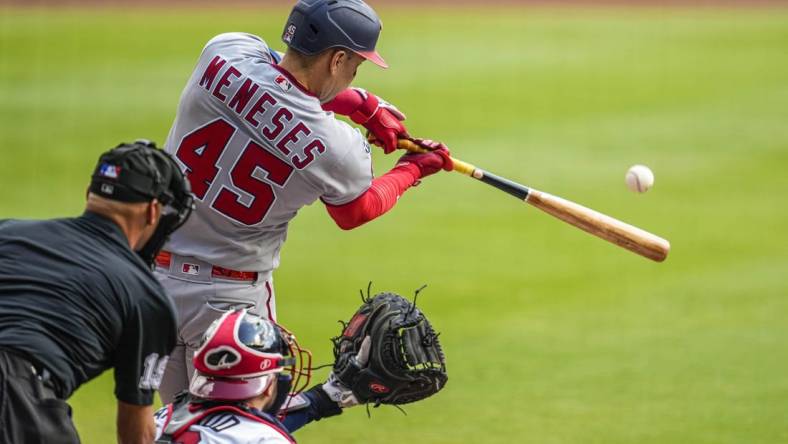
600	225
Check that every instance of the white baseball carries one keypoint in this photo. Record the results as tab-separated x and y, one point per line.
639	178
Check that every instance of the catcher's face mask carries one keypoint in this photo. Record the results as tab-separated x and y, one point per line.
140	172
242	354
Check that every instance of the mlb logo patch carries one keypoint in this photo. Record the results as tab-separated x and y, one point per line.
283	83
289	33
192	269
109	171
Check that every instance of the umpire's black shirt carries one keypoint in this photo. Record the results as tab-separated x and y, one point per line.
76	300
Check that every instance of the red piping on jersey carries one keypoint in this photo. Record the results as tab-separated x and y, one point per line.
377	200
268	301
228	408
294	81
169	417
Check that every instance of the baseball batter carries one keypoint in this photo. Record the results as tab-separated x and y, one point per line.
257	137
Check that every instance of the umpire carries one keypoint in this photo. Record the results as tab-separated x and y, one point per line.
77	297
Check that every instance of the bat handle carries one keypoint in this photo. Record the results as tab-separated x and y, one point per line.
459	165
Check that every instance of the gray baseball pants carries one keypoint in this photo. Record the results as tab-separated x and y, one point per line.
200	299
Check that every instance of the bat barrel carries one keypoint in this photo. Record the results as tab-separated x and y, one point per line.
600	225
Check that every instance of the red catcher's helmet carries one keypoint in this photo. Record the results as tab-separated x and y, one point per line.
241	354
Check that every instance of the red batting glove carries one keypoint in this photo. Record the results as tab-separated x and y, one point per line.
387	129
439	157
382	119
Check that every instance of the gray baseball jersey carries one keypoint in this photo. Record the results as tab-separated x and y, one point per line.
256	147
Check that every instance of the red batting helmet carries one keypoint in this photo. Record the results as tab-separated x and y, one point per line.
241	354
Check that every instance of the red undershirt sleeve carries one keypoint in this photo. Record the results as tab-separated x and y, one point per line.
377	200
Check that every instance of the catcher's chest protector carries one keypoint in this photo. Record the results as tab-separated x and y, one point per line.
180	418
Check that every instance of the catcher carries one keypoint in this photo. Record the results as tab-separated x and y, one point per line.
387	354
244	370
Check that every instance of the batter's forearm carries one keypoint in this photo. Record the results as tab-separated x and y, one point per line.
377	200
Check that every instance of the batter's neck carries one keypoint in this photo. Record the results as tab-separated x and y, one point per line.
307	78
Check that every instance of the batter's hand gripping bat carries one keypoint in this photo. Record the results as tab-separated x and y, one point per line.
600	225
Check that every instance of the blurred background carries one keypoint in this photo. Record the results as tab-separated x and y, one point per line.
552	336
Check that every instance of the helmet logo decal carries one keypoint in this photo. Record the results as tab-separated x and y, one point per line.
289	33
221	358
265	364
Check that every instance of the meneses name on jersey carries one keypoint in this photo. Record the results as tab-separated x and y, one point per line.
273	129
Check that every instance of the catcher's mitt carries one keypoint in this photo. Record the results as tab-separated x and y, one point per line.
405	362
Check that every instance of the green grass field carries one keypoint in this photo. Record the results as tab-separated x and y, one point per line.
552	336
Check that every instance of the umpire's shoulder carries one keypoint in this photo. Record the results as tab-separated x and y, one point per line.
156	293
143	289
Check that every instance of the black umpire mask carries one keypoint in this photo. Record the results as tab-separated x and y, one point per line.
139	172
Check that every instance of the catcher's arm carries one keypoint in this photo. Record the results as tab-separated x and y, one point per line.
311	405
323	400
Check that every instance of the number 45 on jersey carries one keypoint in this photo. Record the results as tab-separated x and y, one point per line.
200	151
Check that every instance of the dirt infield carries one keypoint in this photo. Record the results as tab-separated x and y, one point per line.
394	3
